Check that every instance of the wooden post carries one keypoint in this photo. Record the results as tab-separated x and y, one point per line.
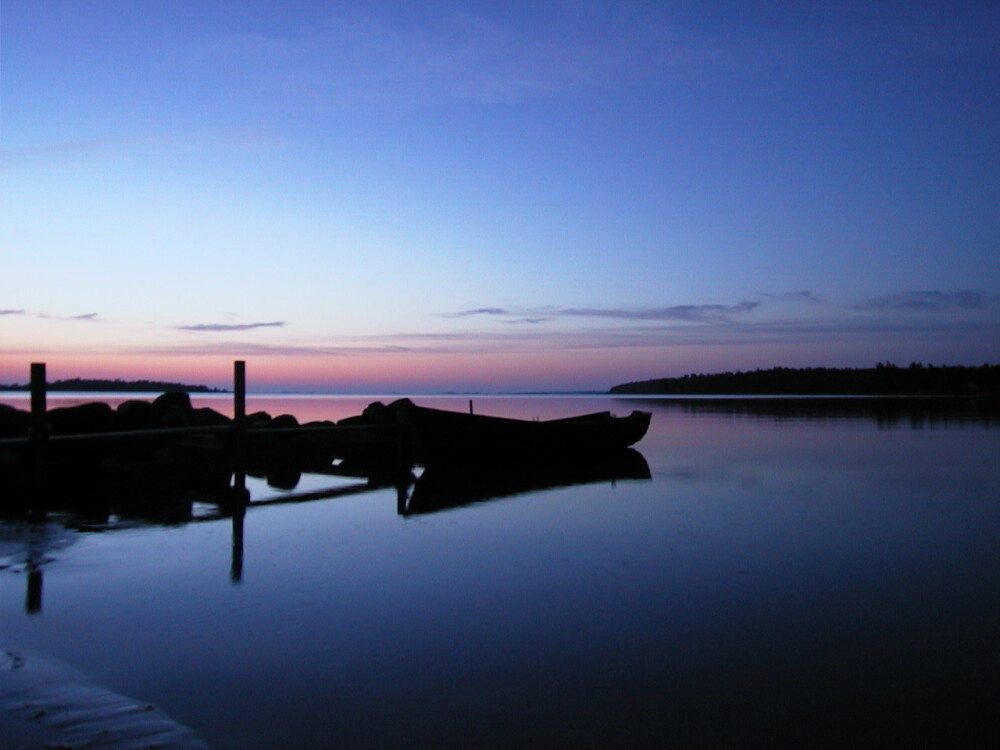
240	425
39	436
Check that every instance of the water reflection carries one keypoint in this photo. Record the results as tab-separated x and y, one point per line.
419	490
236	566
777	583
445	486
887	412
26	548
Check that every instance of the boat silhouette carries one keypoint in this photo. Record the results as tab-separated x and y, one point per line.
439	433
450	484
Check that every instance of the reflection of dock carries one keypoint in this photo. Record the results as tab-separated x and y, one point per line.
439	487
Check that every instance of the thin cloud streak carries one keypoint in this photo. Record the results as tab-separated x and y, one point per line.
711	313
85	317
930	301
680	313
523	342
478	311
212	327
526	340
800	296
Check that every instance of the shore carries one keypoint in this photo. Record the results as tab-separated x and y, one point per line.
45	704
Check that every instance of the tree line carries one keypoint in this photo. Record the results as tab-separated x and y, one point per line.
125	386
883	379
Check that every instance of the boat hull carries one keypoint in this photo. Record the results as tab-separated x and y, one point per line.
448	433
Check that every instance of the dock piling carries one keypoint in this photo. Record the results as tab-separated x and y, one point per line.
240	431
39	436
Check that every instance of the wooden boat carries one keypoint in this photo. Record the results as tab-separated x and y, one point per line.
442	433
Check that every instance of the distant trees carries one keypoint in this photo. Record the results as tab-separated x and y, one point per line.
125	386
885	378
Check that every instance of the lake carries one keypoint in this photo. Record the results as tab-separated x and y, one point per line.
782	578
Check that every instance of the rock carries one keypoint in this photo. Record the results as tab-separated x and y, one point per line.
172	409
83	419
135	415
375	413
258	419
14	468
283	421
14	422
207	417
353	421
284	480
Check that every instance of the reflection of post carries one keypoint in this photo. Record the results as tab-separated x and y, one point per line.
402	489
240	427
33	599
236	566
39	434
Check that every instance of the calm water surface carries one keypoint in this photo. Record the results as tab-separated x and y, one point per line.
785	581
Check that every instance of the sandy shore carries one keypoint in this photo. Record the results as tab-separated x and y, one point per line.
45	704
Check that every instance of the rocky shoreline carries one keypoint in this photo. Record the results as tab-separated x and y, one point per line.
143	455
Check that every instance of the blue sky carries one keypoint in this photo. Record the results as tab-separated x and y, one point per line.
489	196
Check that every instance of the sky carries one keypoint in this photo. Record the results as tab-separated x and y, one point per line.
390	197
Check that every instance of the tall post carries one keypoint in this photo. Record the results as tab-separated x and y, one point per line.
39	436
240	425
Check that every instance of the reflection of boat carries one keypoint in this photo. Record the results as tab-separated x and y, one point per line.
448	433
452	484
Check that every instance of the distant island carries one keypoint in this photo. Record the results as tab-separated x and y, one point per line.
125	386
885	379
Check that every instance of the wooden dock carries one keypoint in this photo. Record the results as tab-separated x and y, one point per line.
240	439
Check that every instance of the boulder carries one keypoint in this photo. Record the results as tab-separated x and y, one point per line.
172	409
14	422
83	419
135	414
258	419
283	421
207	417
377	413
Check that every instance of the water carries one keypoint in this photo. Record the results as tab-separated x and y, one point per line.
779	580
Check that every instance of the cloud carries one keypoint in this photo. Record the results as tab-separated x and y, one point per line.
230	326
11	312
930	301
925	333
680	313
478	311
84	317
801	296
710	313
